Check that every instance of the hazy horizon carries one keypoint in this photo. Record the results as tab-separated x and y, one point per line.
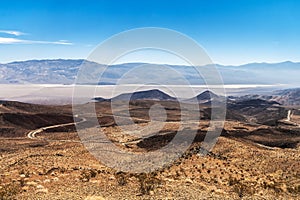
158	63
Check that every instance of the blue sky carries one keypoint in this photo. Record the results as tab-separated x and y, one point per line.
232	32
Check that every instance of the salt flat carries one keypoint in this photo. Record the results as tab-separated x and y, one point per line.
58	93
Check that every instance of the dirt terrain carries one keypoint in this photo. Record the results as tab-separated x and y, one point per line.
253	158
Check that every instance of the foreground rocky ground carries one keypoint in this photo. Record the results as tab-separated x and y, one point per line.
249	161
36	169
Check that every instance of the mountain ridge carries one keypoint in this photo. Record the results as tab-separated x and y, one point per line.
62	71
82	60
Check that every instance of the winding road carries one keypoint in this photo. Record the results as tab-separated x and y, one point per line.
288	119
32	134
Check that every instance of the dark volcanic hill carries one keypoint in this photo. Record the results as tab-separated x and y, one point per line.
141	95
206	95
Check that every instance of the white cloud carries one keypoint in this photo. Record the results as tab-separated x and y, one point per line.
5	40
10	32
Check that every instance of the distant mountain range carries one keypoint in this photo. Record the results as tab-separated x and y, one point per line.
65	72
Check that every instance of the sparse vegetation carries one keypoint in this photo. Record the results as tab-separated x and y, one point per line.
235	168
242	189
148	182
9	191
294	189
87	174
121	178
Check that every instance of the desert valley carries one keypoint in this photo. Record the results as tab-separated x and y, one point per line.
256	156
149	100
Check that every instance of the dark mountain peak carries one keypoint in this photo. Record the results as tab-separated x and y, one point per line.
287	62
100	99
206	95
154	94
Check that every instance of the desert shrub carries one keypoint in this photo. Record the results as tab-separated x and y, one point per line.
86	175
148	182
121	178
240	188
22	182
273	185
294	189
232	181
297	189
93	173
9	191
